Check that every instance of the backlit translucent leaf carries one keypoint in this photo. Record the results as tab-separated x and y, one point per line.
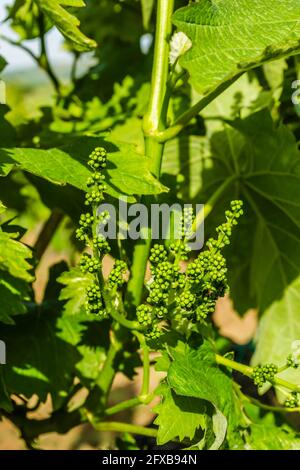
232	36
127	171
178	416
14	277
66	22
194	373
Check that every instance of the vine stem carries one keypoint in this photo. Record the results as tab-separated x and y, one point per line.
131	403
124	427
185	118
108	372
124	405
43	59
224	361
154	122
144	397
24	48
248	371
144	394
146	372
98	397
263	406
115	314
130	324
155	118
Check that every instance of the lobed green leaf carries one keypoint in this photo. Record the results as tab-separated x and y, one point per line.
230	37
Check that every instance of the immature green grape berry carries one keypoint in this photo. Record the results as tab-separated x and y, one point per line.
85	227
180	247
95	180
155	333
97	159
86	220
89	264
161	312
206	308
144	315
101	244
292	401
164	275
262	374
217	268
186	222
158	254
258	376
93	292
197	269
237	208
186	300
166	271
292	362
116	276
103	217
179	282
95	196
224	230
94	303
81	234
157	296
270	370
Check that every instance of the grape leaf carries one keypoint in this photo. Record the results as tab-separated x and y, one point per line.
8	139
89	335
127	172
264	158
67	23
13	257
178	416
264	433
89	367
187	159
181	157
23	15
272	189
13	292
14	277
232	36
87	332
52	350
41	363
268	437
194	373
75	283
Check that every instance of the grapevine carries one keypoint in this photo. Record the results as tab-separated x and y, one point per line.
149	226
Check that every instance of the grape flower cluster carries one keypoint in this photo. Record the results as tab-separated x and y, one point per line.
176	298
292	401
264	373
88	233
